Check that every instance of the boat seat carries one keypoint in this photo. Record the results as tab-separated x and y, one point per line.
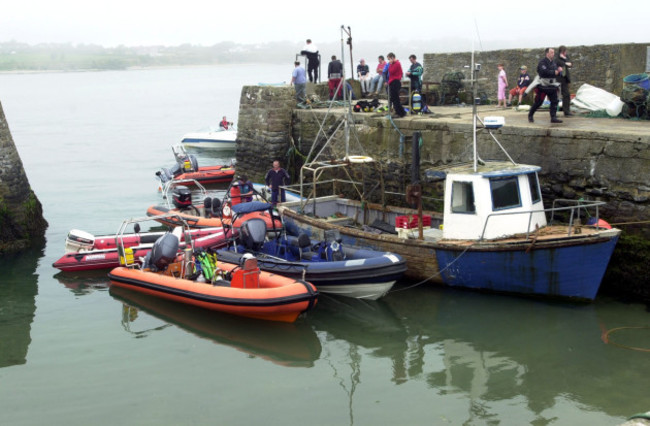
305	247
207	207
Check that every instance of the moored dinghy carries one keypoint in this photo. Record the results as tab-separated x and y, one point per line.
187	169
239	289
85	251
331	266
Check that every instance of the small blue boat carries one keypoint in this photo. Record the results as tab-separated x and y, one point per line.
329	265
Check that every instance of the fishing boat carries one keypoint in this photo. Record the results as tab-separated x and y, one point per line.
187	169
331	266
238	289
218	139
493	233
85	251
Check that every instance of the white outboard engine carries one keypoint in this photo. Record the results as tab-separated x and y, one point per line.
163	252
252	234
77	241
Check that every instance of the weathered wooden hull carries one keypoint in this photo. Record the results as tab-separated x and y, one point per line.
568	267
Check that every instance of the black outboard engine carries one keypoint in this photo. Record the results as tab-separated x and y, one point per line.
252	234
182	197
162	253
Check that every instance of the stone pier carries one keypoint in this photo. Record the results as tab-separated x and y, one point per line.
594	159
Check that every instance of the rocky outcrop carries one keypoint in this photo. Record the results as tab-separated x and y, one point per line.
21	214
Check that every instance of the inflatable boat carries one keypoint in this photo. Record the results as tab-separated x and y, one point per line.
210	213
187	169
85	251
328	264
238	289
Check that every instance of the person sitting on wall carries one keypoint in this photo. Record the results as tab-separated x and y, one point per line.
522	84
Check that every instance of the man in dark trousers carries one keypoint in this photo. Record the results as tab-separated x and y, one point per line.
563	61
334	74
311	52
547	71
275	178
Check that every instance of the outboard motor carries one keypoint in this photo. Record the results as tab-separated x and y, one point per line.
162	253
188	163
182	197
165	175
252	234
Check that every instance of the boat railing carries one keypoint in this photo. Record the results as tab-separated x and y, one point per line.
126	259
168	186
319	188
572	210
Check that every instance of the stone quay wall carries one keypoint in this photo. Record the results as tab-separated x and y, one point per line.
605	165
603	65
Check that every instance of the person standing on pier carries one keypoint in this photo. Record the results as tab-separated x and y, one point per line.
311	52
299	80
547	70
563	61
334	74
395	75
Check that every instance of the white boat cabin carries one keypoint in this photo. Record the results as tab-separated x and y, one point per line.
498	200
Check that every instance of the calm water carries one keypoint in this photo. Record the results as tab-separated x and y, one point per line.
72	353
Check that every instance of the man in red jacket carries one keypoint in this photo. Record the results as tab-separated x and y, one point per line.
395	84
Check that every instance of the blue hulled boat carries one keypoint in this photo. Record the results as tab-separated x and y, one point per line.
330	265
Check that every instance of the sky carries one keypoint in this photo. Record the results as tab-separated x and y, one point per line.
490	25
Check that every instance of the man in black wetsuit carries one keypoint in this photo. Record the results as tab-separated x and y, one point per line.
548	72
313	62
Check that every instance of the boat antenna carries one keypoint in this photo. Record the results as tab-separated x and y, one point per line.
475	69
345	90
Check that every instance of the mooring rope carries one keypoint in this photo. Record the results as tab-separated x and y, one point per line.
434	275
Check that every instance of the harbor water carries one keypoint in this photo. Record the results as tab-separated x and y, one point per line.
71	353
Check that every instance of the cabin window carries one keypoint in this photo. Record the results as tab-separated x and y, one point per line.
533	182
505	193
462	197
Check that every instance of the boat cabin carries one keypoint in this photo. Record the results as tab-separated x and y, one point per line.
498	200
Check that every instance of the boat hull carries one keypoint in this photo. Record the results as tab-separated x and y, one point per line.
364	274
571	267
104	255
277	299
223	140
208	175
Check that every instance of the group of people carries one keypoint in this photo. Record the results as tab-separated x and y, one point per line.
552	76
388	76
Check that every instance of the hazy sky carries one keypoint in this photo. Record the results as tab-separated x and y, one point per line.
492	24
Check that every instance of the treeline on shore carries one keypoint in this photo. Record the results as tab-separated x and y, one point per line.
16	56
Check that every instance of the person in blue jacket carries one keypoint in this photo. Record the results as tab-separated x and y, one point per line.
275	178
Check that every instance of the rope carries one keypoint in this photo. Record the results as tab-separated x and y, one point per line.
434	275
605	338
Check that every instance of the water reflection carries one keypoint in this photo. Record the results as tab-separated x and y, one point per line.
18	289
289	345
492	350
83	282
